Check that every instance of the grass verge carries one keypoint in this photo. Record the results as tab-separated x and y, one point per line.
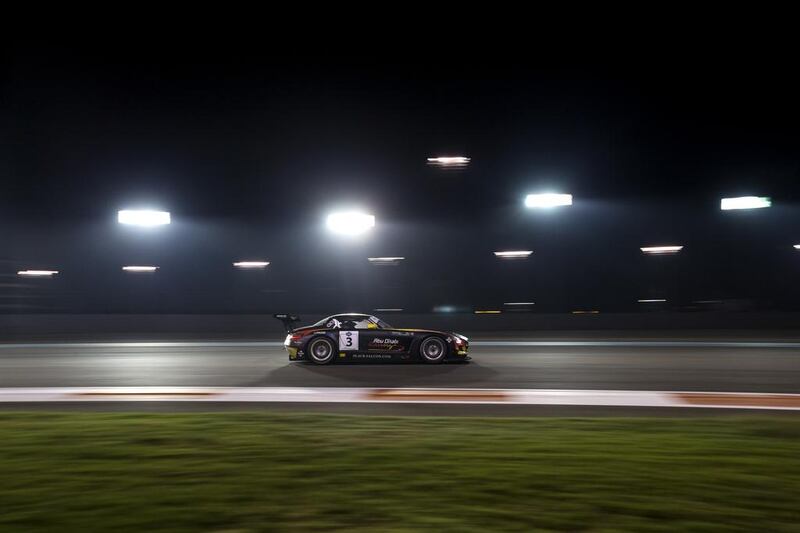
264	472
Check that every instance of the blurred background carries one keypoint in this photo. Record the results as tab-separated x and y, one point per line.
250	151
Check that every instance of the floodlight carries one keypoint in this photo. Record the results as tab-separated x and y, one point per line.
143	217
547	200
350	222
745	202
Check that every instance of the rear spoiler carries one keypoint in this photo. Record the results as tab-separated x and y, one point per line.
288	321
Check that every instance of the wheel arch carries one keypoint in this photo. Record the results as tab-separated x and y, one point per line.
416	344
327	335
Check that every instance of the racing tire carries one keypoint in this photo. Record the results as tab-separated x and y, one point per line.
433	350
321	351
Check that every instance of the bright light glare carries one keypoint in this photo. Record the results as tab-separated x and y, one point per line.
745	202
660	250
547	200
444	309
143	217
139	268
797	246
388	309
652	300
34	273
449	161
514	254
385	260
519	303
251	264
487	311
350	222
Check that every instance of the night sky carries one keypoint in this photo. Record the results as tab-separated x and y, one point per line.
249	146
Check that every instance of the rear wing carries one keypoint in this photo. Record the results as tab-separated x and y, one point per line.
288	321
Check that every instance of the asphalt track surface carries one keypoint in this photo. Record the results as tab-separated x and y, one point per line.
759	366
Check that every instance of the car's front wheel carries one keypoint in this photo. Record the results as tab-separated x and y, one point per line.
321	350
433	350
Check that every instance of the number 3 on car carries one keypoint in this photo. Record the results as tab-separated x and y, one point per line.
348	341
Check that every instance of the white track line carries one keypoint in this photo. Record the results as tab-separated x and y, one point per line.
646	344
491	343
209	344
606	398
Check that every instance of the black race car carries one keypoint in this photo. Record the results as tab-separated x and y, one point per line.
358	337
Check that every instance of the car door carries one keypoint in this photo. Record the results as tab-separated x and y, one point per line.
346	334
362	339
386	341
369	337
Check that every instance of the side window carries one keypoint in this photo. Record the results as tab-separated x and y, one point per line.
364	323
352	322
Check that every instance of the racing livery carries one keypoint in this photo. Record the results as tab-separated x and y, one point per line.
360	337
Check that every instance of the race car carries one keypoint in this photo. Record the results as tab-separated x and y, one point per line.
361	337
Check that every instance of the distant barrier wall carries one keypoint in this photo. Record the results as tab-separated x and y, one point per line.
264	327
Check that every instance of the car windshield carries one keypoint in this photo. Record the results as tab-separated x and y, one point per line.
358	321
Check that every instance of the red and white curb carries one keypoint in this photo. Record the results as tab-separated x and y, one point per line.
605	398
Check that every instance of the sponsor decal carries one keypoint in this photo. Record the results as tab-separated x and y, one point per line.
385	342
371	356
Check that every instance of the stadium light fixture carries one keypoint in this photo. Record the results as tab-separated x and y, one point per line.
513	254
745	202
143	217
251	264
547	200
458	161
139	268
661	250
487	311
388	309
350	222
652	300
519	303
38	273
385	261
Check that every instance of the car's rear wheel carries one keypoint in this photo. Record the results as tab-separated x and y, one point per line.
321	350
432	350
